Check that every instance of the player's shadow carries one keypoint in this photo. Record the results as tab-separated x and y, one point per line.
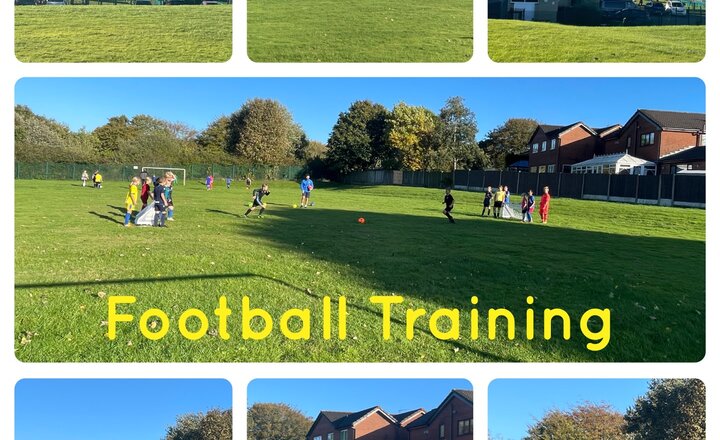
120	209
107	217
218	211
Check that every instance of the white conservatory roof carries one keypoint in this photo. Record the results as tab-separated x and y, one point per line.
614	159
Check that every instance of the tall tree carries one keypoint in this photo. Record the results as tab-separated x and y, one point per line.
671	409
584	422
510	138
411	132
457	129
263	132
114	135
357	141
276	421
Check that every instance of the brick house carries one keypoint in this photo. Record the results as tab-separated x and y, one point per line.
376	424
369	424
554	148
451	420
654	134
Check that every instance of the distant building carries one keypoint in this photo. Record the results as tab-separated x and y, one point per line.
450	421
664	138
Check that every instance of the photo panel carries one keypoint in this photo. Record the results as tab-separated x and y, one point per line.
374	31
123	31
596	31
120	409
359	220
361	409
535	409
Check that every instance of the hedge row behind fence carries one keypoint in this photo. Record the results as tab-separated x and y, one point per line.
63	171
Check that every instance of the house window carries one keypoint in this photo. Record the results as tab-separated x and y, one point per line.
553	143
551	168
647	139
535	147
533	169
465	427
441	430
544	145
629	142
701	142
541	169
330	436
343	434
317	437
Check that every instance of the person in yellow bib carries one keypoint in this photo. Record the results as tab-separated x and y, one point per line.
97	180
131	199
499	200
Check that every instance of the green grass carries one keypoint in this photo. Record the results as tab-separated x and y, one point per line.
122	33
366	31
645	263
530	42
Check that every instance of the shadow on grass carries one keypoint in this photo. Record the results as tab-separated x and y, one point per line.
654	286
123	281
107	217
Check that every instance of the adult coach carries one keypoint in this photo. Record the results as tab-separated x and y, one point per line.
305	187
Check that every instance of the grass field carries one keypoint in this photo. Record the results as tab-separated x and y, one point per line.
646	264
367	31
123	33
530	42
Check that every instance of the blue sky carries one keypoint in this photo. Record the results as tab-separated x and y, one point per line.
111	409
311	396
516	403
316	102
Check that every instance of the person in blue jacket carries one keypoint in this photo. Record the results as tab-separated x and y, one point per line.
305	187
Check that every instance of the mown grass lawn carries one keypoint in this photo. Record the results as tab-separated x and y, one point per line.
646	264
122	33
366	31
530	42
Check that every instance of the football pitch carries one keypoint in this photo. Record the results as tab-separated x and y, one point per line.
645	264
123	33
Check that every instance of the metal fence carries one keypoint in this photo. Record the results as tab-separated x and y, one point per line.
73	171
664	189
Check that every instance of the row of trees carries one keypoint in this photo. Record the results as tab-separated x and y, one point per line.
672	409
263	131
408	137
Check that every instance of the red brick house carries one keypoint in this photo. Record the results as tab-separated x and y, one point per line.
654	134
554	148
369	424
450	421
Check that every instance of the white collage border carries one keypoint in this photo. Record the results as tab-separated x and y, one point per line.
239	375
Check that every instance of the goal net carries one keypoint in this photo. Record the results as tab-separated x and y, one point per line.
159	171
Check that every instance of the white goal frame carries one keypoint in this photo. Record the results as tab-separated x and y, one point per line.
167	169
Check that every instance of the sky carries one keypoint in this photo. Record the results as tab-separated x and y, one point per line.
111	409
516	403
316	102
311	396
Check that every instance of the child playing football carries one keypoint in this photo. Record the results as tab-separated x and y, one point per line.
258	195
449	202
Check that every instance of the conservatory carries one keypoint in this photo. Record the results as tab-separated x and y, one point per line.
619	163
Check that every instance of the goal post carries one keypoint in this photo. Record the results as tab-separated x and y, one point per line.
163	169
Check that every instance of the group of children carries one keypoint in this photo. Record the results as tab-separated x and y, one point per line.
500	199
210	181
97	179
161	195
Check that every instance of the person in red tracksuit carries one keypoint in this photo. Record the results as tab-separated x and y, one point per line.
545	204
145	192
